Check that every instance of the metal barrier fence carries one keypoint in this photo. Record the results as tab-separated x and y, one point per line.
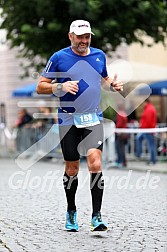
42	141
30	141
109	154
3	140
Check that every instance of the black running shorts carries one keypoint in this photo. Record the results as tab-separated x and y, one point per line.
75	142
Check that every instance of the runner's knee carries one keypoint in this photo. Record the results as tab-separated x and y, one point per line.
95	165
72	168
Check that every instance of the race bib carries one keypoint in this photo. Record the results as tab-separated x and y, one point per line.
85	120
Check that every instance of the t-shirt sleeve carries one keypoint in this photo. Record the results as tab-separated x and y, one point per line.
104	73
51	67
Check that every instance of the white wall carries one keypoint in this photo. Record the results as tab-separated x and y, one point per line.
10	72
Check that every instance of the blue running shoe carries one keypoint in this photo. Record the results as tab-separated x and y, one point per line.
71	222
97	224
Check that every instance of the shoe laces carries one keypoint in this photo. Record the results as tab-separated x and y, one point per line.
98	217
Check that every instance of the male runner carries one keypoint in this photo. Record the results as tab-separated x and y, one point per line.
82	70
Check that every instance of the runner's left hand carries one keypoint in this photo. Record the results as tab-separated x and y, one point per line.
117	84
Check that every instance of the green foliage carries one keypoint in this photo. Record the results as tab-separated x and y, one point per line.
107	105
109	114
40	27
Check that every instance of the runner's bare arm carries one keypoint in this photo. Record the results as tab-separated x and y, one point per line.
45	86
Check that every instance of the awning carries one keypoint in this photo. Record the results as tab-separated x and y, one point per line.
157	88
25	91
29	91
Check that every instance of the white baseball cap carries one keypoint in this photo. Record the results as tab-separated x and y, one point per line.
80	27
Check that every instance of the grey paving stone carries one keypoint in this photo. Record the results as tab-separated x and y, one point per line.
33	219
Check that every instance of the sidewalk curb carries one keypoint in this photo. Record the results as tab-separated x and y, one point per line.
140	168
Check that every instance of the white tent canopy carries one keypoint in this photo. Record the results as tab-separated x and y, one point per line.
137	72
147	72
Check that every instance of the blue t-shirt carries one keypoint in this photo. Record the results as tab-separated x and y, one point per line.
65	65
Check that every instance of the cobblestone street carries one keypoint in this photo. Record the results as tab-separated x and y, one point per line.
33	206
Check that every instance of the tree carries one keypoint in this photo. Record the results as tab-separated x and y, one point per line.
39	27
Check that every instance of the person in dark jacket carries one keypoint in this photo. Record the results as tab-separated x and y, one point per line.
23	141
23	118
121	138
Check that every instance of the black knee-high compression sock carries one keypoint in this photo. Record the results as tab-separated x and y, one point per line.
70	186
97	188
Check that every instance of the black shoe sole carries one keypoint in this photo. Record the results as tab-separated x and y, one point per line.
101	227
71	230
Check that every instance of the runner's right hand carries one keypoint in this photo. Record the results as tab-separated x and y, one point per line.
70	86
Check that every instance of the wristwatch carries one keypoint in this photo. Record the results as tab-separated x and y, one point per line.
59	87
111	86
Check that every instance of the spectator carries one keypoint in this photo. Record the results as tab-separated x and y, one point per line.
131	113
148	120
42	125
132	118
23	118
121	138
22	141
44	122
